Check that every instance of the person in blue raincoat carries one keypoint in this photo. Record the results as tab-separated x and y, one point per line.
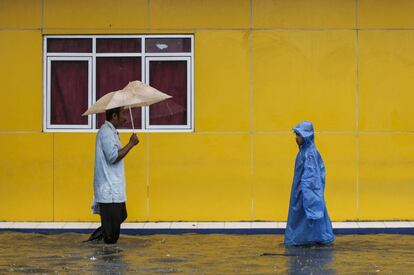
308	220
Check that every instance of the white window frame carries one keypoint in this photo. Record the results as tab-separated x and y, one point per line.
48	123
189	57
189	123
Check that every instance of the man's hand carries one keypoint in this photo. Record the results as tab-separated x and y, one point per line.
133	140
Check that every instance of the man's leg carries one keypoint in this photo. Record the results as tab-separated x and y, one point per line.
124	212
120	215
107	221
96	235
112	215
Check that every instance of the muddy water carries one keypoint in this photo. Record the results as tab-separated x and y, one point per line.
204	254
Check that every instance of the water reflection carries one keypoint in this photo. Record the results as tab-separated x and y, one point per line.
310	259
208	254
108	259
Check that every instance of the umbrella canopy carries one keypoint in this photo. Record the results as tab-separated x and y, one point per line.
135	94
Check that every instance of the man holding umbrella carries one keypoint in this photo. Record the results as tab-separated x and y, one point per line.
109	177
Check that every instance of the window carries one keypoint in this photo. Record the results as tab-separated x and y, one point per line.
78	70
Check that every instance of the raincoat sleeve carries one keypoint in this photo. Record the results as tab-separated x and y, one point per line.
110	146
312	189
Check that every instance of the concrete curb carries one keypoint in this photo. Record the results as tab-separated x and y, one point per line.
252	228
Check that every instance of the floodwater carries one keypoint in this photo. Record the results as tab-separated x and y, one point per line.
204	254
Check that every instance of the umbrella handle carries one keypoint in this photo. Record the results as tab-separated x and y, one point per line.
132	120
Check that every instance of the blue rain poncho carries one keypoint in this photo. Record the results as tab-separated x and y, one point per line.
308	220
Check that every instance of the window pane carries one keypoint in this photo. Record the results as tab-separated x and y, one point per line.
168	45
69	92
118	45
169	77
112	74
69	45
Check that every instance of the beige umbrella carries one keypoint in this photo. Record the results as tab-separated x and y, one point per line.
135	94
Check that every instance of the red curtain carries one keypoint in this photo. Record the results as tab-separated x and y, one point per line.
118	45
69	92
114	73
69	45
169	77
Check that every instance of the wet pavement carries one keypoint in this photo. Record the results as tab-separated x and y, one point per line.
204	254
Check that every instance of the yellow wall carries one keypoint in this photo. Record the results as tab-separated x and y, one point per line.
261	66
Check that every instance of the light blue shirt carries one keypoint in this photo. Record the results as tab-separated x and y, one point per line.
109	179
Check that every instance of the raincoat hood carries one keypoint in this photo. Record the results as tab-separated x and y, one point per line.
305	130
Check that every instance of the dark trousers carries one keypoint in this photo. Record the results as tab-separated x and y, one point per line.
112	215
